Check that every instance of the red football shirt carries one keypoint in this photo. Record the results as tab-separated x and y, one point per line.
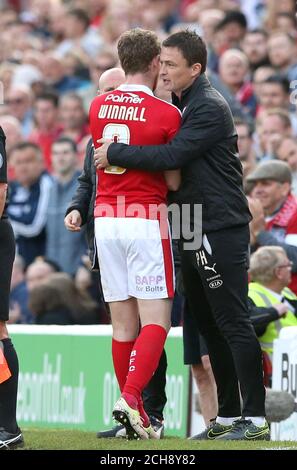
133	115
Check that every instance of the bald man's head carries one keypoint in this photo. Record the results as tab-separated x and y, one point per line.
111	79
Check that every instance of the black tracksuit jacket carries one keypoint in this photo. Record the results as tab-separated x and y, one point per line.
205	148
84	200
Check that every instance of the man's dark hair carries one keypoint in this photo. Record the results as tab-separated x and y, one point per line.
81	16
49	96
232	16
66	140
26	145
191	45
238	121
136	49
279	80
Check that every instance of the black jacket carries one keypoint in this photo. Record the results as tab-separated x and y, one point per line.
84	200
206	150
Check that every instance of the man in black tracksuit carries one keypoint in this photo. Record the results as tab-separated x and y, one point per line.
215	274
10	433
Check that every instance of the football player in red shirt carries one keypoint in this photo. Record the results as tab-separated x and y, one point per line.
131	228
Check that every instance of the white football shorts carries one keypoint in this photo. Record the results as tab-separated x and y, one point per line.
134	260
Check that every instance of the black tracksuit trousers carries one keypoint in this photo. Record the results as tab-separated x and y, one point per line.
216	286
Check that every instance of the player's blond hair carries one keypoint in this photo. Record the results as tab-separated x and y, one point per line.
137	48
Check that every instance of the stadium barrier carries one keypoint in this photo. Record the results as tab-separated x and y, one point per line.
67	379
285	378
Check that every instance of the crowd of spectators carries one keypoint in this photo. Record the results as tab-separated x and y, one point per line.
51	57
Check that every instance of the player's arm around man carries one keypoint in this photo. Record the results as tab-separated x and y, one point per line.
215	268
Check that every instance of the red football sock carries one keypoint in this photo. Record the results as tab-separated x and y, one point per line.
144	358
145	419
131	400
121	351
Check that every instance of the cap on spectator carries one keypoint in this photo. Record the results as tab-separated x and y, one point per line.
232	16
273	170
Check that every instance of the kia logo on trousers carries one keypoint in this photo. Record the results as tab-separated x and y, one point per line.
215	284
